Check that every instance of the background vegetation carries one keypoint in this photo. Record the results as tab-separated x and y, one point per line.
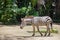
9	9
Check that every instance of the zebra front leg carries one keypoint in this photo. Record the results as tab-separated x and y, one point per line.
47	30
33	30
39	31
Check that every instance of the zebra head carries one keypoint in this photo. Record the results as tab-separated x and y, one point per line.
22	23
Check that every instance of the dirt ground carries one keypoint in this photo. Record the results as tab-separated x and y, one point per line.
13	32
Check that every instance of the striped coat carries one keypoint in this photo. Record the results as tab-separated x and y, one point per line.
38	21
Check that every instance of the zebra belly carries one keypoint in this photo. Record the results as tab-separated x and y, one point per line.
40	24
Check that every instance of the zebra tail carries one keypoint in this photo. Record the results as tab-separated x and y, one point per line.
51	25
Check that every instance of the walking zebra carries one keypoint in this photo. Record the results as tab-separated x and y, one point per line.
36	22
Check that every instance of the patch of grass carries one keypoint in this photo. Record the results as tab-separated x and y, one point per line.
44	30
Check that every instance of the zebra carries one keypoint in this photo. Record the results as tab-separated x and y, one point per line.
36	22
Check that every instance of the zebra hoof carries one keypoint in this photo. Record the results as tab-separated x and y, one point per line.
45	35
33	35
48	35
41	34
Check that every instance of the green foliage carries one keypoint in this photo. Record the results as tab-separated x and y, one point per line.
34	2
8	12
1	8
42	11
33	12
28	10
48	5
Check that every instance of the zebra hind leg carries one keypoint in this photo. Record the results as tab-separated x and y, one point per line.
39	31
33	30
47	30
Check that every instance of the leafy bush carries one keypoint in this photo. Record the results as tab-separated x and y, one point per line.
8	11
42	11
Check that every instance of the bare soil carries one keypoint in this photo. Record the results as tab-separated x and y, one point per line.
13	32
